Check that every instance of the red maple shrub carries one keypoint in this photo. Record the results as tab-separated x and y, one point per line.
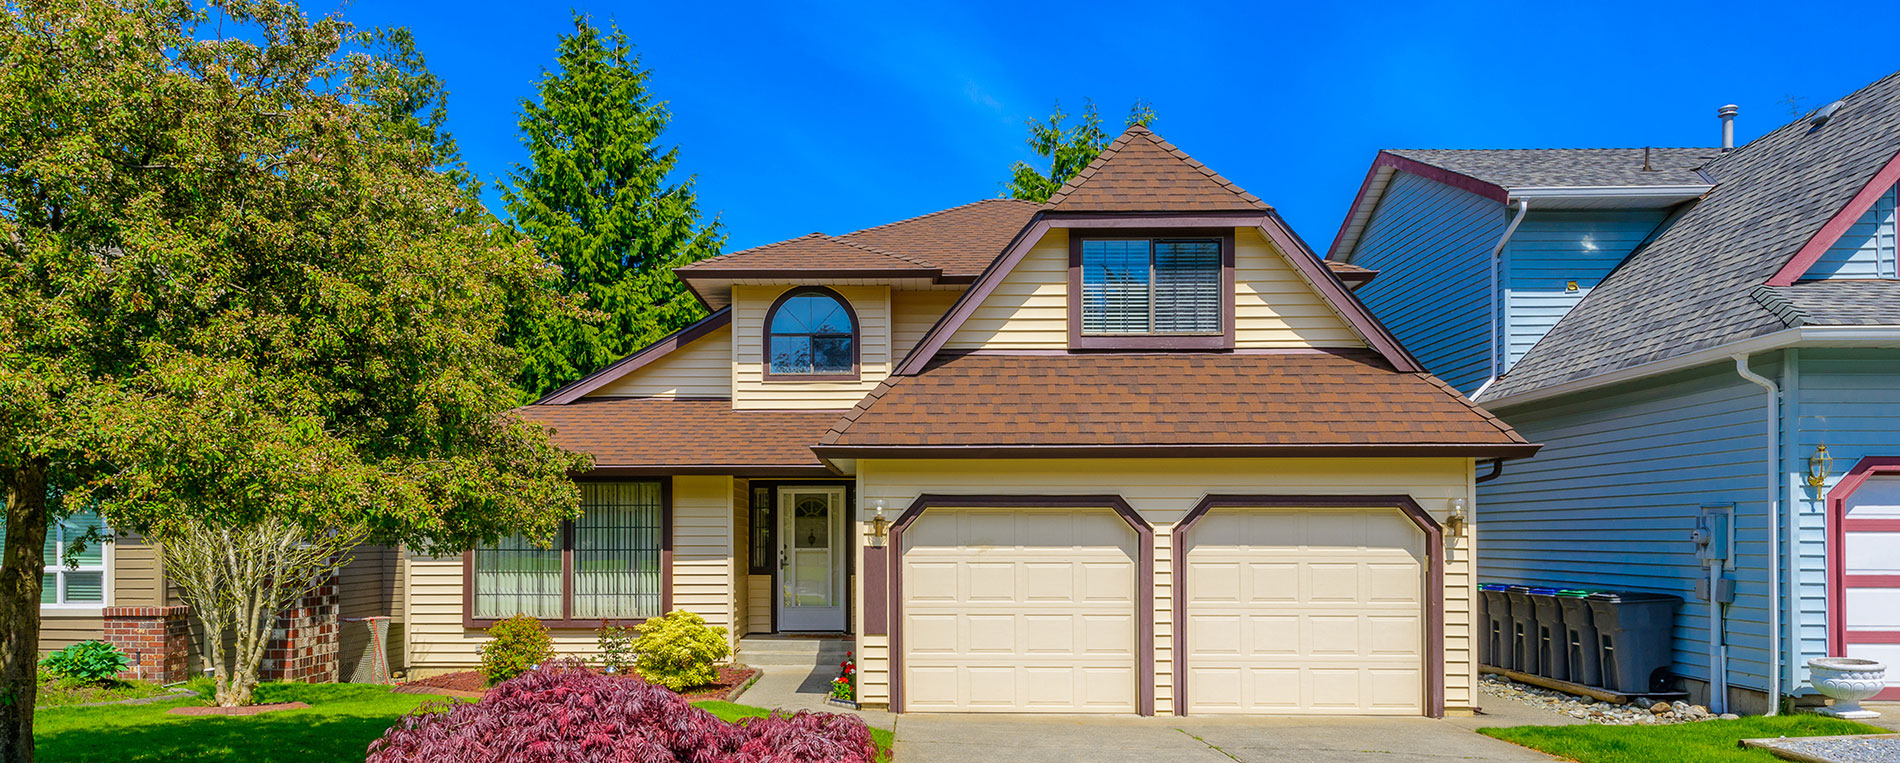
565	712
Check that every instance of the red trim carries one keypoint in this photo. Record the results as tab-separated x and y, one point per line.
1889	694
567	619
1873	525
1866	468
1873	637
1334	291
1221	340
1434	577
1837	225
765	338
877	591
1144	577
1873	581
1439	174
652	352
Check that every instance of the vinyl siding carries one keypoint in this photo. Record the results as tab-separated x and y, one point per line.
1551	249
912	315
739	598
1029	309
1610	500
758	589
368	587
1163	491
1430	242
750	390
702	369
1867	249
134	570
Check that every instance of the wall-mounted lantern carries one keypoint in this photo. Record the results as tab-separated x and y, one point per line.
879	526
1456	522
1819	465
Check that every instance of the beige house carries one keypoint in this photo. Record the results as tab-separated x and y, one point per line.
1134	450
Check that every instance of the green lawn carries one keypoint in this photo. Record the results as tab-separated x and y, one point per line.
1703	742
339	726
732	711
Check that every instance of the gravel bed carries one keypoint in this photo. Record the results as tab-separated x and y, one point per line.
1844	749
1585	708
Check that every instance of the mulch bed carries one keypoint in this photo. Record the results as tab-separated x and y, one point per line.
468	684
246	710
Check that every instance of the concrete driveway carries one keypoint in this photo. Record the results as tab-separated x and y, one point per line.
925	738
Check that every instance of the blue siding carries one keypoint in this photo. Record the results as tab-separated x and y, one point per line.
1610	500
1551	249
1866	250
1850	400
1429	242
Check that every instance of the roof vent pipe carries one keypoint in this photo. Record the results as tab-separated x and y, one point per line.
1727	115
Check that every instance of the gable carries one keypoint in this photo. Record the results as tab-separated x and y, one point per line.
871	305
1550	251
699	369
1866	249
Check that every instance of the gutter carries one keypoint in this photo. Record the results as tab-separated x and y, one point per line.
1772	404
1496	297
1805	336
1682	192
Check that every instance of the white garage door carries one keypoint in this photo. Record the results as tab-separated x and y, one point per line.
1314	612
1871	567
1028	610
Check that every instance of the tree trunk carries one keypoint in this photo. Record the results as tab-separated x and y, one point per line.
21	564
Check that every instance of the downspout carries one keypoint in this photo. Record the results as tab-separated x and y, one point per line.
1496	297
1774	528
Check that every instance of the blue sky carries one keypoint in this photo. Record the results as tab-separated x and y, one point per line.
803	117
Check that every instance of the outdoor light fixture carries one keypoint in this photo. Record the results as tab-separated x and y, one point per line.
1819	465
879	527
1457	519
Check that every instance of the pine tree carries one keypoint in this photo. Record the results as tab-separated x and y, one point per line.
595	200
1068	147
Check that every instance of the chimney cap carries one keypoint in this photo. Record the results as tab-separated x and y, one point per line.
1728	110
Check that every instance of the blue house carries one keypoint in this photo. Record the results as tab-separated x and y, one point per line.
1703	339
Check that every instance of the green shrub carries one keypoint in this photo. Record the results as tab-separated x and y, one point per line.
616	648
679	651
94	661
515	646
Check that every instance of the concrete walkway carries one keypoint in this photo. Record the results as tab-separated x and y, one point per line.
793	688
926	738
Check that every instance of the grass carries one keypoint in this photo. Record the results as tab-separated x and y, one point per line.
1701	742
58	692
733	711
339	725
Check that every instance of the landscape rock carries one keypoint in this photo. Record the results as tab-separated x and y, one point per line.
1596	711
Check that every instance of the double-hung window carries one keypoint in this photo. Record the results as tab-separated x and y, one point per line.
1160	291
607	564
73	577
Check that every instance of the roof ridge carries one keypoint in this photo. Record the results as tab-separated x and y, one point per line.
1075	181
932	214
1492	418
1122	142
1230	185
759	248
1566	148
1771	298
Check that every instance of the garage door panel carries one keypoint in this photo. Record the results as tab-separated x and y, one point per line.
1324	618
1042	618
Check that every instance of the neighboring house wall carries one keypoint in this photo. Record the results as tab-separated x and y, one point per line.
1610	500
872	304
1163	491
702	368
1430	242
1550	250
1867	249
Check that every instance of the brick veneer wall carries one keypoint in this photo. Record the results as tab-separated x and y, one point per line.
304	644
156	640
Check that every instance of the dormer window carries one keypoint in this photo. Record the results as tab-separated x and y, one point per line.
811	334
1159	290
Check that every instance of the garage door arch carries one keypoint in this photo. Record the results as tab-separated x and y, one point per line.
1144	575
1434	667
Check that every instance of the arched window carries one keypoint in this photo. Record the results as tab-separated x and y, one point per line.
811	333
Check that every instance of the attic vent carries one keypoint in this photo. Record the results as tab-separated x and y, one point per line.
1826	113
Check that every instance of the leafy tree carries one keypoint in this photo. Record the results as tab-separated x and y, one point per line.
239	291
1069	147
596	201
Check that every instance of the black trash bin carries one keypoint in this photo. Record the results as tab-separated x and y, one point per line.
1550	634
1495	644
1633	632
1523	631
1580	638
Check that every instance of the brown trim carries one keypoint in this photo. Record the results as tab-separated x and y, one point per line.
1500	450
1434	577
973	297
1838	225
1335	292
736	470
567	619
877	592
850	535
755	564
1144	576
1221	340
765	338
652	352
919	272
1245	219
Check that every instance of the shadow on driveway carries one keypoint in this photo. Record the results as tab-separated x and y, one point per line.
930	738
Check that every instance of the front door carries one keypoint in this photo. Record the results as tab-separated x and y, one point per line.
811	555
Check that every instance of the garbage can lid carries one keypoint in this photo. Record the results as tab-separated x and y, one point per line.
1541	591
1490	586
1519	589
1577	593
1629	597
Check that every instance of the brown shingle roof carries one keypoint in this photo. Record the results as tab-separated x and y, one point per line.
962	240
1269	402
692	434
1140	172
813	251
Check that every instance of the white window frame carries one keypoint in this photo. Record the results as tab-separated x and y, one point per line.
57	567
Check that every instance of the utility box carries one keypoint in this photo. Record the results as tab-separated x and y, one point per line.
1713	535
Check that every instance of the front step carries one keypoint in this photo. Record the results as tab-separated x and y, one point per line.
792	651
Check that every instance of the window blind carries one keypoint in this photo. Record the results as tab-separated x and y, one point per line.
1187	287
617	551
1115	287
1151	287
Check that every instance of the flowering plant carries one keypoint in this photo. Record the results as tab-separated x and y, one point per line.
845	686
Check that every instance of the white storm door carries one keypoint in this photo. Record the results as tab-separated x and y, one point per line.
811	555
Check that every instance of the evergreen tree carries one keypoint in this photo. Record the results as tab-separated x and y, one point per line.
1068	147
595	200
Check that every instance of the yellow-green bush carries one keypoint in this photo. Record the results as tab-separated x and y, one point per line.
679	651
515	646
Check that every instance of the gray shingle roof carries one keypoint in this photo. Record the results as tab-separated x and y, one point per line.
1545	167
1844	302
1694	286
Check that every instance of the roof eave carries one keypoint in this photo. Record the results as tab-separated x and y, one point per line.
1312	450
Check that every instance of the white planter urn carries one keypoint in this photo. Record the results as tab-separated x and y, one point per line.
1847	681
